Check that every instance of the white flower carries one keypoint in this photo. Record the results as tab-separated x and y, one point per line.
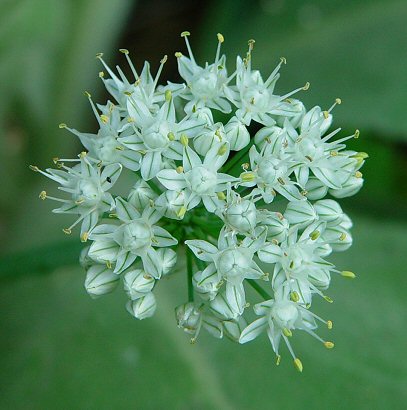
279	318
193	175
199	179
87	185
135	238
205	85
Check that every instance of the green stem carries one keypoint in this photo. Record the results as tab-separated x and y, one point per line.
189	275
258	289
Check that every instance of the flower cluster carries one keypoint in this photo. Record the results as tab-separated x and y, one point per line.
247	200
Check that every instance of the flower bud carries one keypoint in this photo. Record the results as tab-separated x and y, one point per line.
233	328
315	117
100	280
315	189
188	318
142	308
329	210
299	111
137	283
300	213
171	204
237	134
241	216
349	188
277	225
168	259
140	195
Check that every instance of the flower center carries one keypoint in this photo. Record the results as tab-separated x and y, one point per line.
201	180
269	169
232	263
136	236
88	191
285	314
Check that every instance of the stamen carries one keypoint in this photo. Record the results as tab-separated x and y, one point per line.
94	109
133	70
162	62
185	34
221	39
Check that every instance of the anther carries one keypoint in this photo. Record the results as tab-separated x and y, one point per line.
62	125
329	345
164	59
168	95
185	34
287	332
84	236
294	296
283	60
221	39
222	150
101	74
171	136
328	299
184	140
251	44
221	196
87	94
278	360
104	118
314	235
34	168
342	237
43	195
358	174
124	50
178	54
348	274
357	134
99	55
66	231
329	324
179	169
306	86
298	364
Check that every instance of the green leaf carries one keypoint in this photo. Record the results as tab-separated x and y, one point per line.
59	346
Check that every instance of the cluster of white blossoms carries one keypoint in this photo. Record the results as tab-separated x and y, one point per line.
248	199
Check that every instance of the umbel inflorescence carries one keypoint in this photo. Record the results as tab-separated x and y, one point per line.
225	171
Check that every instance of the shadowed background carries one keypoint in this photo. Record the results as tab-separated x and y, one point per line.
59	348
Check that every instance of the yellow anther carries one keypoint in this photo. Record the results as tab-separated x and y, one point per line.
184	140
55	160
221	196
84	236
338	101
298	364
83	154
278	360
67	231
342	237
348	274
328	299
246	166
104	118
34	168
101	74
119	148
287	332
283	60
361	155
306	86
221	39
358	174
109	264
329	345
62	125
168	95
130	119
251	44
329	324
182	212
185	34
314	235
247	176
334	153
281	180
178	54
128	93
43	195
99	55
137	82
171	136
147	276
79	201
357	134
154	240
294	296
222	150
326	114
87	94
179	169
274	241
280	216
164	59
124	50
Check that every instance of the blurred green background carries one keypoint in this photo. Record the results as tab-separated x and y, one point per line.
59	348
